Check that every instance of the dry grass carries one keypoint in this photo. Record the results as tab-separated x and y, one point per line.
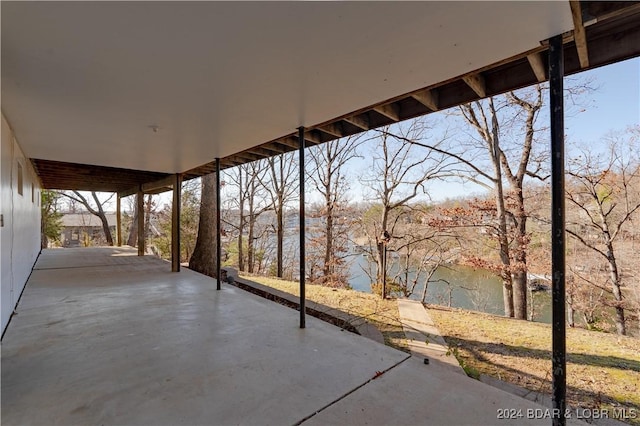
381	313
603	370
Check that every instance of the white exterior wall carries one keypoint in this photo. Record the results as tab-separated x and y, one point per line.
20	231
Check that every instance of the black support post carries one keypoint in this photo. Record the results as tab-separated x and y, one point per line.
175	223
140	204
302	229
559	350
219	234
118	220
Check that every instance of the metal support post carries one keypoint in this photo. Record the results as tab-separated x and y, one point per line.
218	230
302	228
140	204
175	223
118	221
559	364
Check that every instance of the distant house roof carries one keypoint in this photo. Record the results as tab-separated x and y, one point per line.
87	220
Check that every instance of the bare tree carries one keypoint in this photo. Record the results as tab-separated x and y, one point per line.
500	149
282	185
603	187
422	249
329	178
398	174
96	210
250	202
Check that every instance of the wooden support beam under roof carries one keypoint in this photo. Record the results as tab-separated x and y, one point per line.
391	111
227	163
248	156
594	12
428	98
579	33
477	83
284	148
359	121
289	141
266	150
85	177
313	137
159	186
538	66
333	129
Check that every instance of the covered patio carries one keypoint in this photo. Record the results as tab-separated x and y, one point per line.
106	337
134	98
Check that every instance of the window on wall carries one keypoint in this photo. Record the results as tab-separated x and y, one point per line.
20	179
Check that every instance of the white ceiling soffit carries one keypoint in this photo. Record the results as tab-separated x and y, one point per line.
83	82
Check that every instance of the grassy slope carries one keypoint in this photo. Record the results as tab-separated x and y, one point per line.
603	369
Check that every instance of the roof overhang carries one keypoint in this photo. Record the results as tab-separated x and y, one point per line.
167	87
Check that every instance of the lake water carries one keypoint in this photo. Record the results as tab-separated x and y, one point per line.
468	288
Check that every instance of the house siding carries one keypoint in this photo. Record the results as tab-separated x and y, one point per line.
20	230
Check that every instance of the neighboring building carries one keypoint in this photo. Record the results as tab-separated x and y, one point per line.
84	229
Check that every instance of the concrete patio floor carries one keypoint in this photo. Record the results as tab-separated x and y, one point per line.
102	336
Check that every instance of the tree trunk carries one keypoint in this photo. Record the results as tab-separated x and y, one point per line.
132	240
204	259
103	220
520	294
147	217
380	259
107	231
507	283
621	326
327	269
424	291
520	257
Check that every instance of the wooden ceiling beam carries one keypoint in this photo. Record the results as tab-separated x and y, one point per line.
538	67
428	98
312	137
579	34
161	184
333	129
276	148
248	156
391	111
284	148
477	84
264	151
358	121
290	141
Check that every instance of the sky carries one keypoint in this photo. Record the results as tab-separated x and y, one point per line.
613	105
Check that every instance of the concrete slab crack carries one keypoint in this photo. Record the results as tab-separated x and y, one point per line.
375	376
